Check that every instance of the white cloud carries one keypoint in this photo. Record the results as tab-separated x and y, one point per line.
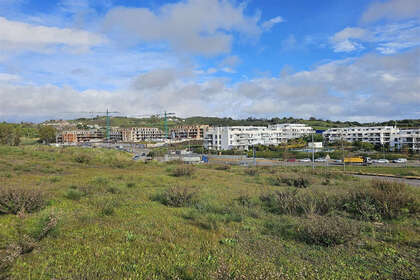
18	35
7	78
198	26
372	87
393	10
267	25
231	61
387	39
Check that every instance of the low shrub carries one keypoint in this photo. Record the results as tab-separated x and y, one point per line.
298	182
222	167
177	196
251	171
294	203
13	200
47	225
327	231
100	181
82	158
113	190
244	200
107	210
183	170
381	200
74	194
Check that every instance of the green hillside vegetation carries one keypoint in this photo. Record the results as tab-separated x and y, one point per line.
215	121
74	213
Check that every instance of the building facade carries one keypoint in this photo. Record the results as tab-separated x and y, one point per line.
79	136
407	138
195	132
378	135
136	134
243	137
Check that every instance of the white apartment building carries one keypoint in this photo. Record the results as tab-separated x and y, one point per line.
382	135
242	137
376	134
409	138
283	132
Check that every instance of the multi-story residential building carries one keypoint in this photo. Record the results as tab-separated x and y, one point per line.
242	137
136	134
281	133
189	132
377	135
79	136
407	138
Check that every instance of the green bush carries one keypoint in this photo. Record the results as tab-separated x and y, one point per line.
298	182
177	197
327	231
82	158
183	170
251	171
294	203
381	200
108	209
113	190
74	194
47	225
13	200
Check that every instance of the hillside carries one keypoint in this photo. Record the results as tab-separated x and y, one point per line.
215	121
95	214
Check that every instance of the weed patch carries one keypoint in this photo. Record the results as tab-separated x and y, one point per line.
327	231
13	200
251	171
294	203
177	197
381	200
183	170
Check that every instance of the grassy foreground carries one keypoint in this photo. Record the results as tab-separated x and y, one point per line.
94	214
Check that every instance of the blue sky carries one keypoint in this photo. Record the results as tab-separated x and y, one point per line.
346	60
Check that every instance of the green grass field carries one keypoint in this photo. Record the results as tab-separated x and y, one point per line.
95	214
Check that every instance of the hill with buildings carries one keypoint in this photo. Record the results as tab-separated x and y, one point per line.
158	122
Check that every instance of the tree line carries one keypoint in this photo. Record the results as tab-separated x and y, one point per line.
11	133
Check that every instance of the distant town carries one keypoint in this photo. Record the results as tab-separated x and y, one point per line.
223	138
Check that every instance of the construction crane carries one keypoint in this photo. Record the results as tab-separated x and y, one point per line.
108	120
165	116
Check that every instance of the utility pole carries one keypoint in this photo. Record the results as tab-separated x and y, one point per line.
108	124
166	126
253	152
313	153
342	149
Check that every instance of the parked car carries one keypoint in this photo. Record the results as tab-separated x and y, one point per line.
400	160
338	161
291	160
320	160
382	160
136	157
305	160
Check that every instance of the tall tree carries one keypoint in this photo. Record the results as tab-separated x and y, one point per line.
47	134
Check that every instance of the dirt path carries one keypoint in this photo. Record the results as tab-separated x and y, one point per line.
413	182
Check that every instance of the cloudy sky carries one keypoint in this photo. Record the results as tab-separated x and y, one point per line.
339	60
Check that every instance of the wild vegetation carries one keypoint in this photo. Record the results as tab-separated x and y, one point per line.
71	213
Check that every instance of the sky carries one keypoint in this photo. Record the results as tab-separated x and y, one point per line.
355	60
